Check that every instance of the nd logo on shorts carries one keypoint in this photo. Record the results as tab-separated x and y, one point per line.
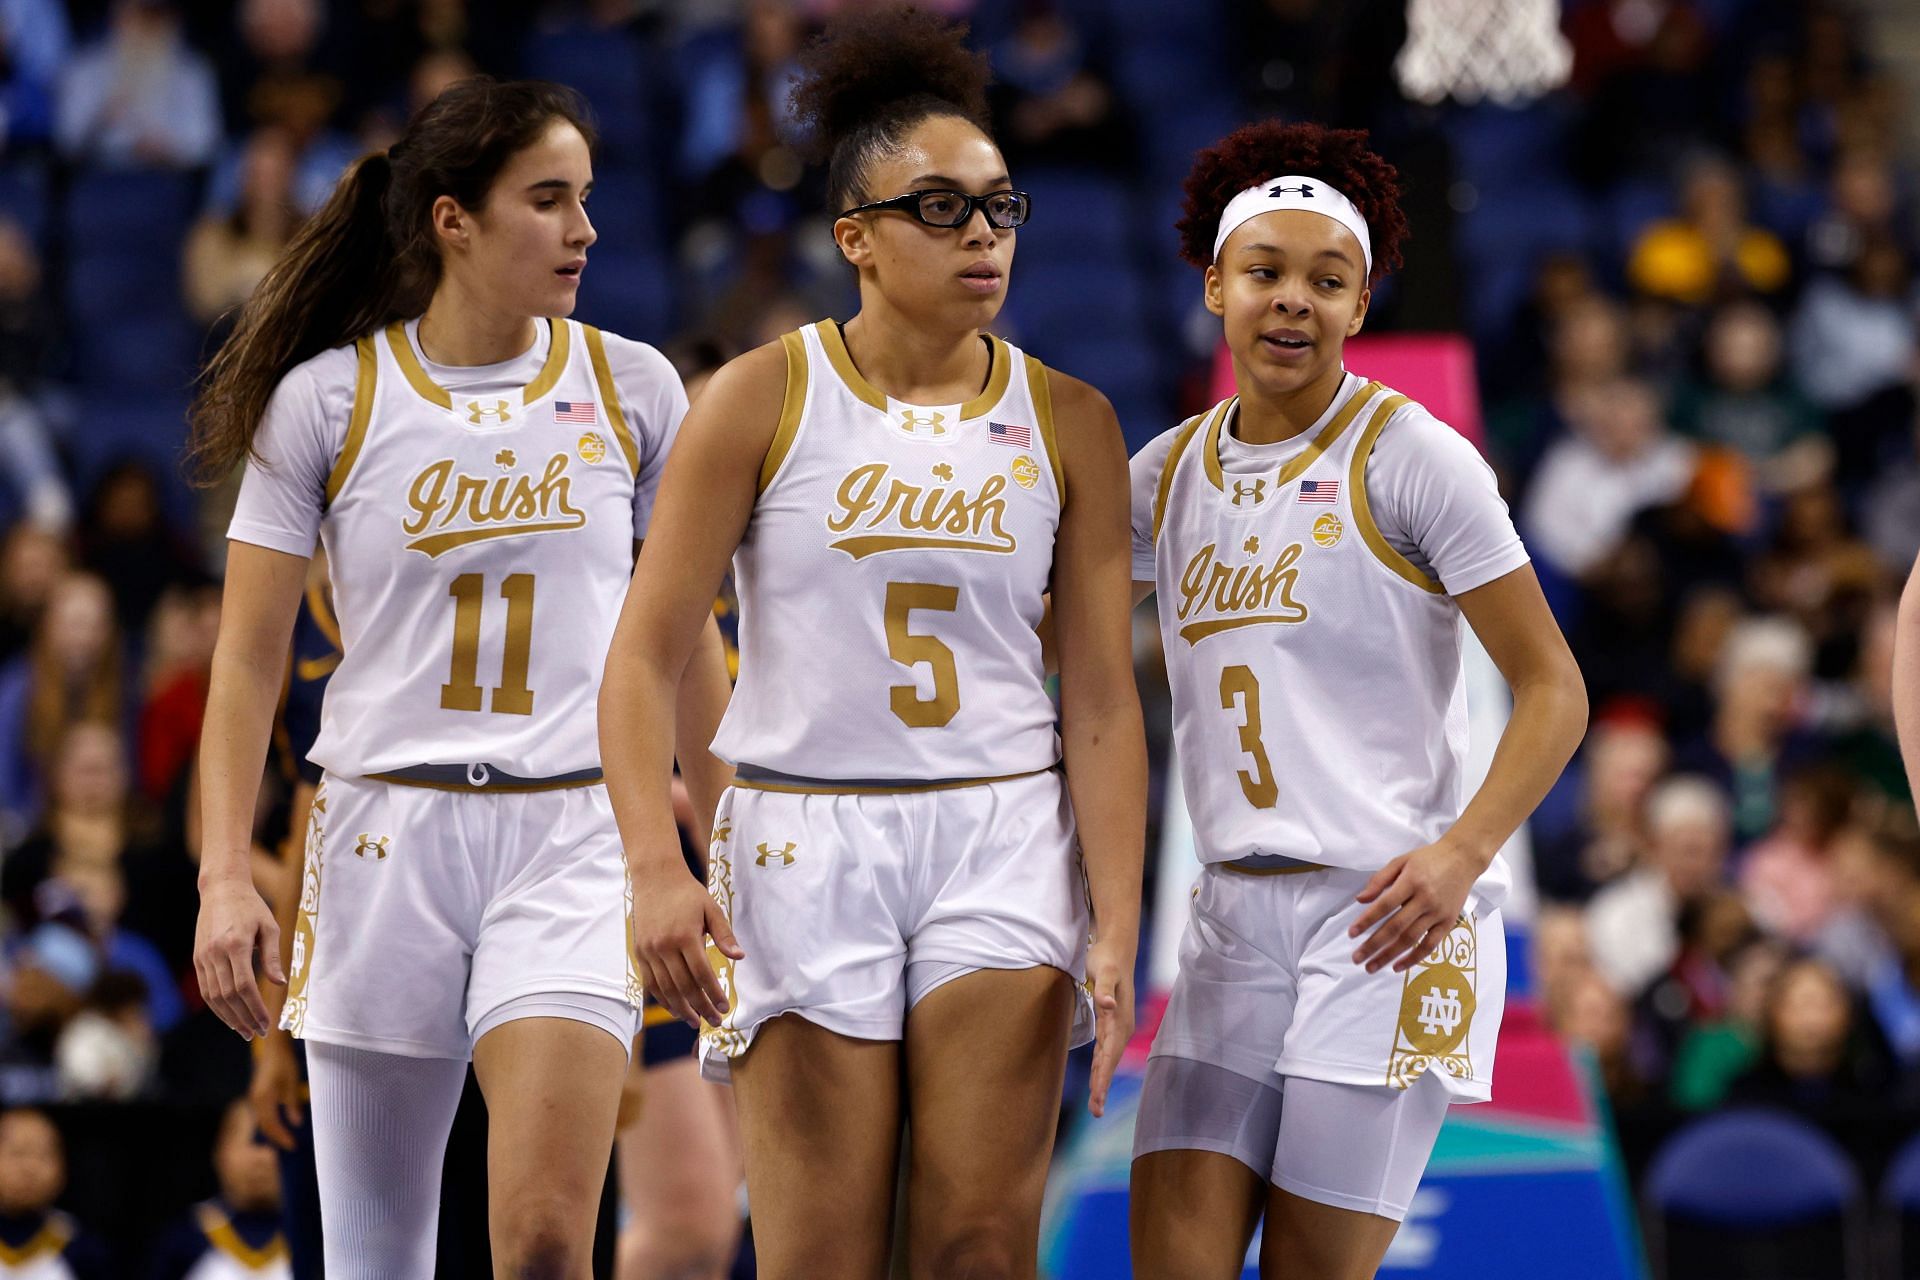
1436	1010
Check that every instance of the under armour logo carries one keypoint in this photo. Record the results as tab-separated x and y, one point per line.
721	833
785	854
368	845
1440	1014
476	415
934	422
1305	189
1257	491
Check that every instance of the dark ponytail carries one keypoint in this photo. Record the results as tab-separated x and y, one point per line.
870	77
368	257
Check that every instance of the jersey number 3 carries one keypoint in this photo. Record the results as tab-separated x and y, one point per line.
1238	682
462	690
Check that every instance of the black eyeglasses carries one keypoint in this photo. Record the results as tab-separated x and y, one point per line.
1004	209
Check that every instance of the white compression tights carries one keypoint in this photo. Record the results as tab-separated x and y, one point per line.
380	1125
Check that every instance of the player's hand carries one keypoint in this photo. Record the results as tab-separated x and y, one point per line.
673	916
1110	970
235	925
1415	900
274	1093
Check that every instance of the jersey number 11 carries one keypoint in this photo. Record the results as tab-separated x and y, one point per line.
462	690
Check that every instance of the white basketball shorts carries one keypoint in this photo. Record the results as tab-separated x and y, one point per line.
851	907
423	912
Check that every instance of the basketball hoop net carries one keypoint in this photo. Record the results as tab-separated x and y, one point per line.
1510	51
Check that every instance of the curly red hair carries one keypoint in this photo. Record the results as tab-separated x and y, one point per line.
1257	152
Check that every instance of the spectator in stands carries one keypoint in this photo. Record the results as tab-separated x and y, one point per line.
1596	1018
1623	757
1633	924
32	562
242	1222
108	1052
26	448
125	538
1586	348
140	98
1747	405
73	672
1719	1050
1757	736
1695	988
1817	572
228	253
35	43
1863	204
179	656
1787	878
1815	1058
1620	459
1855	342
1710	250
1052	105
49	972
33	1234
99	888
1871	936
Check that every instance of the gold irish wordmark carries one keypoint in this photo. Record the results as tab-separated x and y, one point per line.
1217	596
877	511
1238	684
462	691
907	649
451	509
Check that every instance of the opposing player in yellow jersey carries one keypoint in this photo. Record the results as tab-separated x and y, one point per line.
404	388
898	912
1315	541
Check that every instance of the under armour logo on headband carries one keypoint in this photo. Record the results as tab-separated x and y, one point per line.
1305	190
1295	191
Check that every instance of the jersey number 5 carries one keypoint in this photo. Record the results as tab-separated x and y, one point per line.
462	690
1238	682
906	648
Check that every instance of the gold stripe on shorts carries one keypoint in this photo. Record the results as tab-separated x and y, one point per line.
828	787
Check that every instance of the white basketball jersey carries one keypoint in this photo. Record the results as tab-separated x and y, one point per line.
1319	697
892	578
479	553
43	1257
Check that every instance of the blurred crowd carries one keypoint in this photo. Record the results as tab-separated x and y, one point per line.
1698	338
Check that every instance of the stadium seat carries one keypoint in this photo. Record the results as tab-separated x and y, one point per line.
1899	1216
611	69
1754	1193
130	210
628	291
1078	216
24	198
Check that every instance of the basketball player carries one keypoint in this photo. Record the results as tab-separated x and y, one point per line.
478	472
1314	541
897	908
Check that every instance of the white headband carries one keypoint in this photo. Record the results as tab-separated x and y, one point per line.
1293	191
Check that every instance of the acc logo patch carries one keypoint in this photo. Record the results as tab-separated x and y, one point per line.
1025	471
592	448
1327	529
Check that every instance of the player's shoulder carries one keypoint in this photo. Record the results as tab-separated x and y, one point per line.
1155	452
1413	429
333	371
1075	400
634	363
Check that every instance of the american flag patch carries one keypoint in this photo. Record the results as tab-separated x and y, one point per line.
1319	490
573	411
1007	434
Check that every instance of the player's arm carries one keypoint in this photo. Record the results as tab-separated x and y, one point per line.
706	498
258	605
1101	731
1420	894
1906	677
705	689
274	1091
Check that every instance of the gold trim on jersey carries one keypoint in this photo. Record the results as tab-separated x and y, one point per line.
433	393
999	371
1042	396
603	378
791	406
829	788
365	375
1298	464
1363	511
221	1235
50	1239
1180	443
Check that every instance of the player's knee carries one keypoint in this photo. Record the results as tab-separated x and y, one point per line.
977	1247
541	1243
